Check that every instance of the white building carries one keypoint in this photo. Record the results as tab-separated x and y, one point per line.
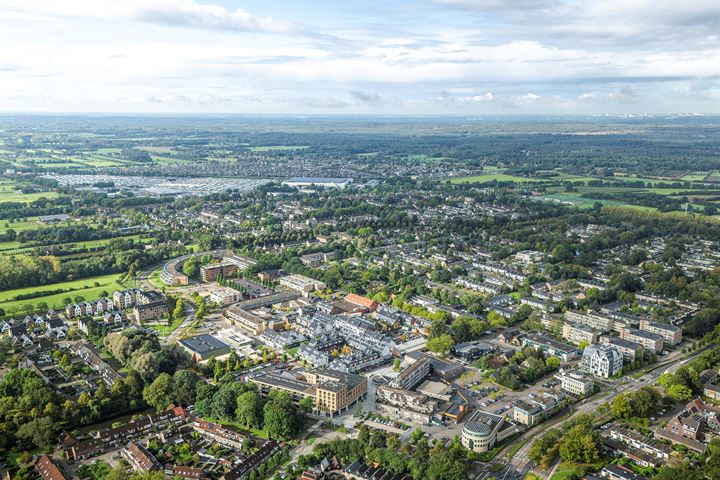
576	383
601	360
301	283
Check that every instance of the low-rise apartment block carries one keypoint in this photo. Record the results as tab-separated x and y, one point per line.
211	272
630	350
576	334
652	342
537	408
332	391
671	334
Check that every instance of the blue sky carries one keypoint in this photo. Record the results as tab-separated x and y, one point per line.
362	57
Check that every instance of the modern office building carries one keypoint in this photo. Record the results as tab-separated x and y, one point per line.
576	383
483	430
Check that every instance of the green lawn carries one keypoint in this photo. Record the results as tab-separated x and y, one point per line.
84	287
165	330
29	223
8	195
500	177
565	470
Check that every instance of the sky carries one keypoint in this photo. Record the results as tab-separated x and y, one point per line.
384	57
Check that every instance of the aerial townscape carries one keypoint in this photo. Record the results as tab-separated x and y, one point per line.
384	291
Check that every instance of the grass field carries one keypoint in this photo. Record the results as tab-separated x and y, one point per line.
165	330
157	149
6	246
269	148
168	160
500	177
85	287
11	196
695	176
28	223
565	470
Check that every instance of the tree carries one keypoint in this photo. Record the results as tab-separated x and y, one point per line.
621	407
496	320
679	393
249	410
438	327
39	432
282	419
552	362
179	309
644	401
185	383
191	268
441	344
396	365
159	394
580	445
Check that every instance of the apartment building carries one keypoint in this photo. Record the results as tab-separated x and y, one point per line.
211	272
576	334
412	375
332	391
670	333
630	350
601	360
652	342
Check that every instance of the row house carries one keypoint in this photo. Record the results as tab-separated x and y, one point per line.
103	440
94	308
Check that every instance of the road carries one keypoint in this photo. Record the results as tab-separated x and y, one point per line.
520	459
189	312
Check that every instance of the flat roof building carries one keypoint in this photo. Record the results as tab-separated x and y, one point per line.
203	347
483	430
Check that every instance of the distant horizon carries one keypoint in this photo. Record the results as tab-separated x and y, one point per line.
364	57
361	115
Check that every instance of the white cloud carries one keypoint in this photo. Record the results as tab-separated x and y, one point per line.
176	13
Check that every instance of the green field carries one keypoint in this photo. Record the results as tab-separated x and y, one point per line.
269	148
11	196
85	287
565	470
5	246
20	248
29	223
168	160
695	176
500	177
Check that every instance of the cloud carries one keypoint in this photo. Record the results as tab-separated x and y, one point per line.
174	13
366	98
189	13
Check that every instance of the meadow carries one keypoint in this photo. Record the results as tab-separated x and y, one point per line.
88	288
